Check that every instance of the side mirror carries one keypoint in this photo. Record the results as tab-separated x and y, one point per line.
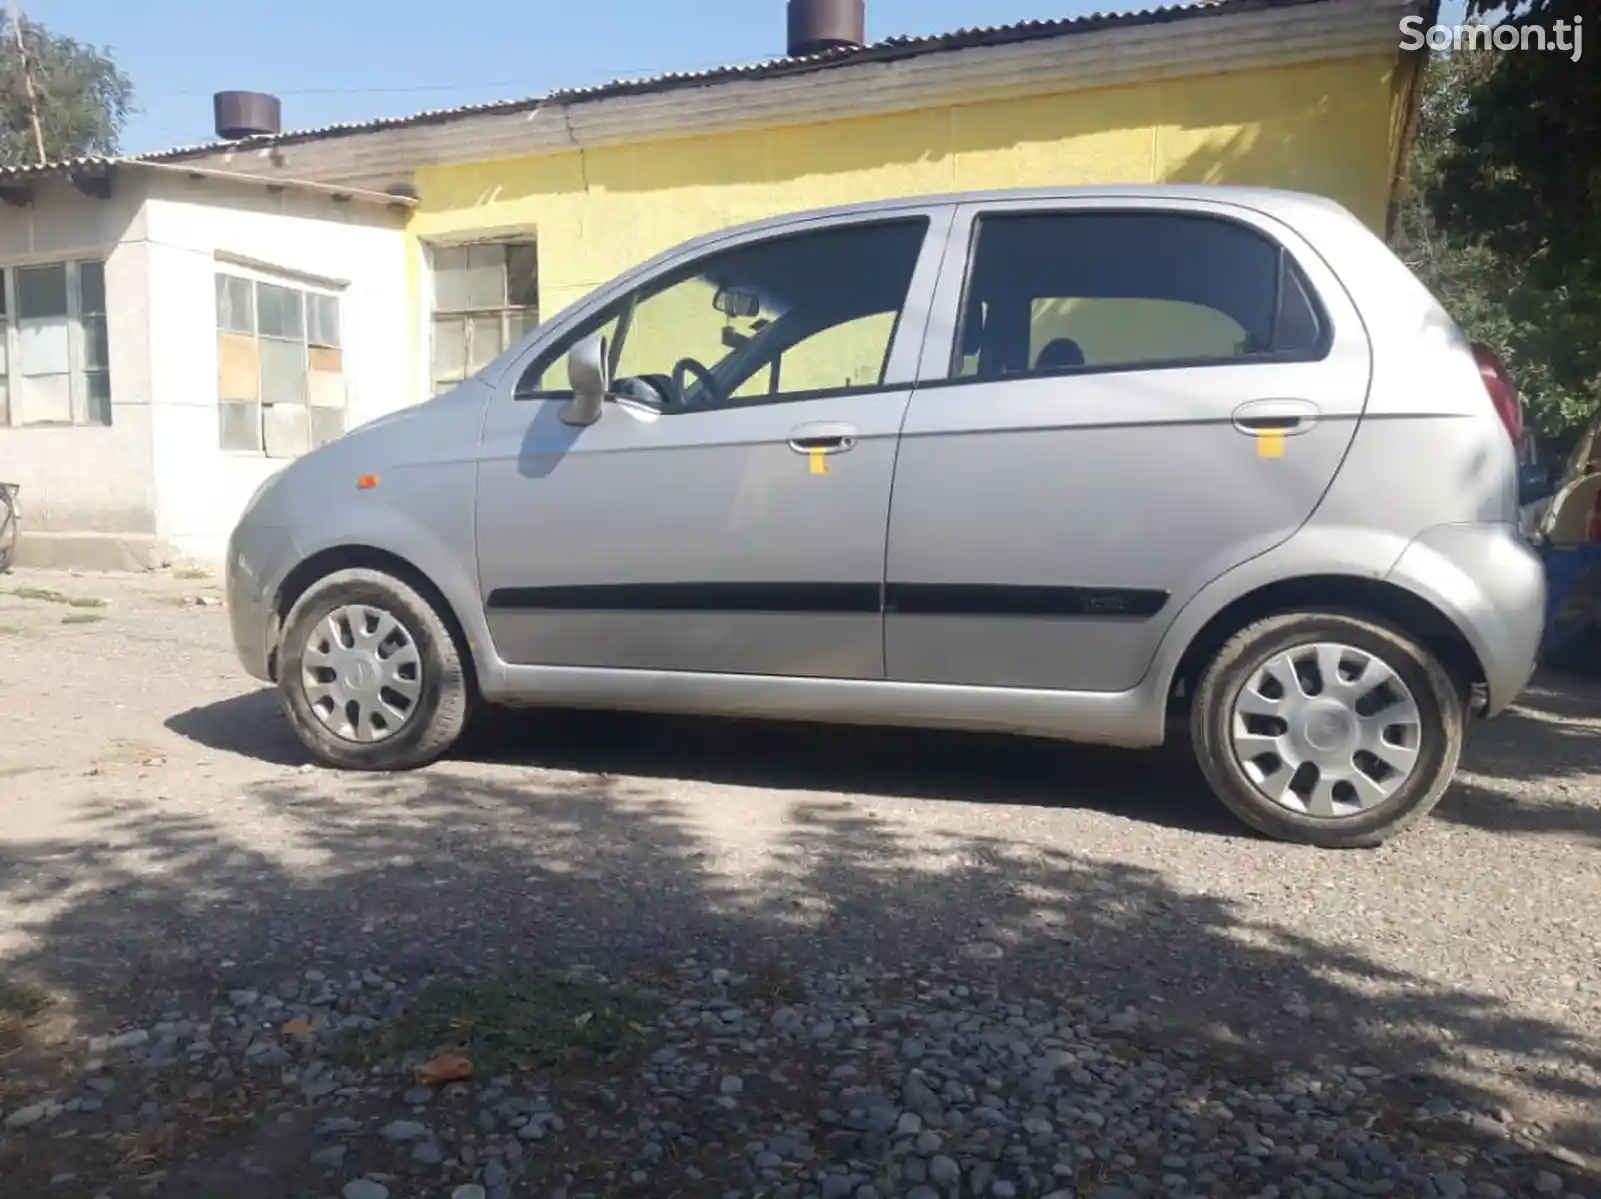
1535	482
587	374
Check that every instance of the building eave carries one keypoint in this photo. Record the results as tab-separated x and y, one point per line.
1210	38
93	177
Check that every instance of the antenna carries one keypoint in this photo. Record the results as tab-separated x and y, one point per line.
15	13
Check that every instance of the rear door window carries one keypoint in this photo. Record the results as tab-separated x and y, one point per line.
1056	292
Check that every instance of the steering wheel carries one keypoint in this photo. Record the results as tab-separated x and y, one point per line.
703	376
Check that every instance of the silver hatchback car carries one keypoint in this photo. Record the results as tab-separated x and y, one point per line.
1076	463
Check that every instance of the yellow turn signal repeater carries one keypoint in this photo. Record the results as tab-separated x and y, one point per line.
366	482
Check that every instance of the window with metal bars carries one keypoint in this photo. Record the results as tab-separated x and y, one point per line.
486	296
55	365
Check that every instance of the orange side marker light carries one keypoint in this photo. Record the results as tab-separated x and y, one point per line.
366	482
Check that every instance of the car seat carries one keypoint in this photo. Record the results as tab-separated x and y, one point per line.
1059	354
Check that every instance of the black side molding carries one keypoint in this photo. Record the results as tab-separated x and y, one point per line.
912	599
692	597
995	599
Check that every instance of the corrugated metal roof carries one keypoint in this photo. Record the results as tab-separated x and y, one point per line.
65	166
888	50
22	175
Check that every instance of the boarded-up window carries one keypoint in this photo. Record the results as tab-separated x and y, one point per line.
486	296
280	367
55	360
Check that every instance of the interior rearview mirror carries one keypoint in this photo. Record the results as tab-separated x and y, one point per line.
1536	482
588	376
733	302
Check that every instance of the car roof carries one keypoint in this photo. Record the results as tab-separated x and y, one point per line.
1279	202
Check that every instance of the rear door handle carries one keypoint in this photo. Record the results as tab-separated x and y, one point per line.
1285	416
822	437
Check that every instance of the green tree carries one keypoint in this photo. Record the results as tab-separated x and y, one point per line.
84	100
1507	184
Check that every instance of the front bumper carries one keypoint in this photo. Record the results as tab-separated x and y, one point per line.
258	558
1491	582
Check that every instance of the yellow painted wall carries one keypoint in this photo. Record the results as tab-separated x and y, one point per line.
1331	128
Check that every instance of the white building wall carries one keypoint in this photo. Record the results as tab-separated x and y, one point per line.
354	248
91	482
155	484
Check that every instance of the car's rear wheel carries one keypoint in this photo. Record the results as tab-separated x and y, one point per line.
370	676
1327	729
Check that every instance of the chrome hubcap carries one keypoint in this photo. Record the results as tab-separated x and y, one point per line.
1326	730
362	673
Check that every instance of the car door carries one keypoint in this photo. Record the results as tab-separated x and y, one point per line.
1116	404
728	511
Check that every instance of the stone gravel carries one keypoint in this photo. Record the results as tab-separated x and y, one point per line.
852	1085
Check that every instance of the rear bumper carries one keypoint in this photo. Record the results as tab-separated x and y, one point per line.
1488	579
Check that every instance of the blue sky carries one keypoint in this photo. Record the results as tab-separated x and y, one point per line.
348	60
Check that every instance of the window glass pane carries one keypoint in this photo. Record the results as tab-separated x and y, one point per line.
520	324
280	312
43	348
236	304
283	372
96	354
42	291
1116	289
91	288
486	276
286	430
239	425
849	354
322	315
851	282
547	375
1299	328
43	400
326	424
485	346
450	349
97	385
1066	333
450	279
522	275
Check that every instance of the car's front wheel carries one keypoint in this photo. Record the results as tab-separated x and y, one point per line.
370	676
1327	729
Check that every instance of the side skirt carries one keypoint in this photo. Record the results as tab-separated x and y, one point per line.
1126	718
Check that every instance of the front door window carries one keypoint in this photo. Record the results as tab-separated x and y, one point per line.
799	316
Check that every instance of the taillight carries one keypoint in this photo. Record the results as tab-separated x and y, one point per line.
1503	392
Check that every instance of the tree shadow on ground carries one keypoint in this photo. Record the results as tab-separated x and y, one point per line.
1532	769
1162	788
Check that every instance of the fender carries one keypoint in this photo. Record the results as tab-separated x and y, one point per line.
426	548
1349	552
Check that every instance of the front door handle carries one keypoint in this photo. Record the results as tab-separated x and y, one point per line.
822	437
1284	416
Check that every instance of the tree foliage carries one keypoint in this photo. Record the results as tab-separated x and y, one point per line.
84	100
1503	218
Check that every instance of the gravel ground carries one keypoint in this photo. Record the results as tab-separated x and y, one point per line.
707	958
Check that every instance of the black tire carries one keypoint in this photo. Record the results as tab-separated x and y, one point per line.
443	707
1440	708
